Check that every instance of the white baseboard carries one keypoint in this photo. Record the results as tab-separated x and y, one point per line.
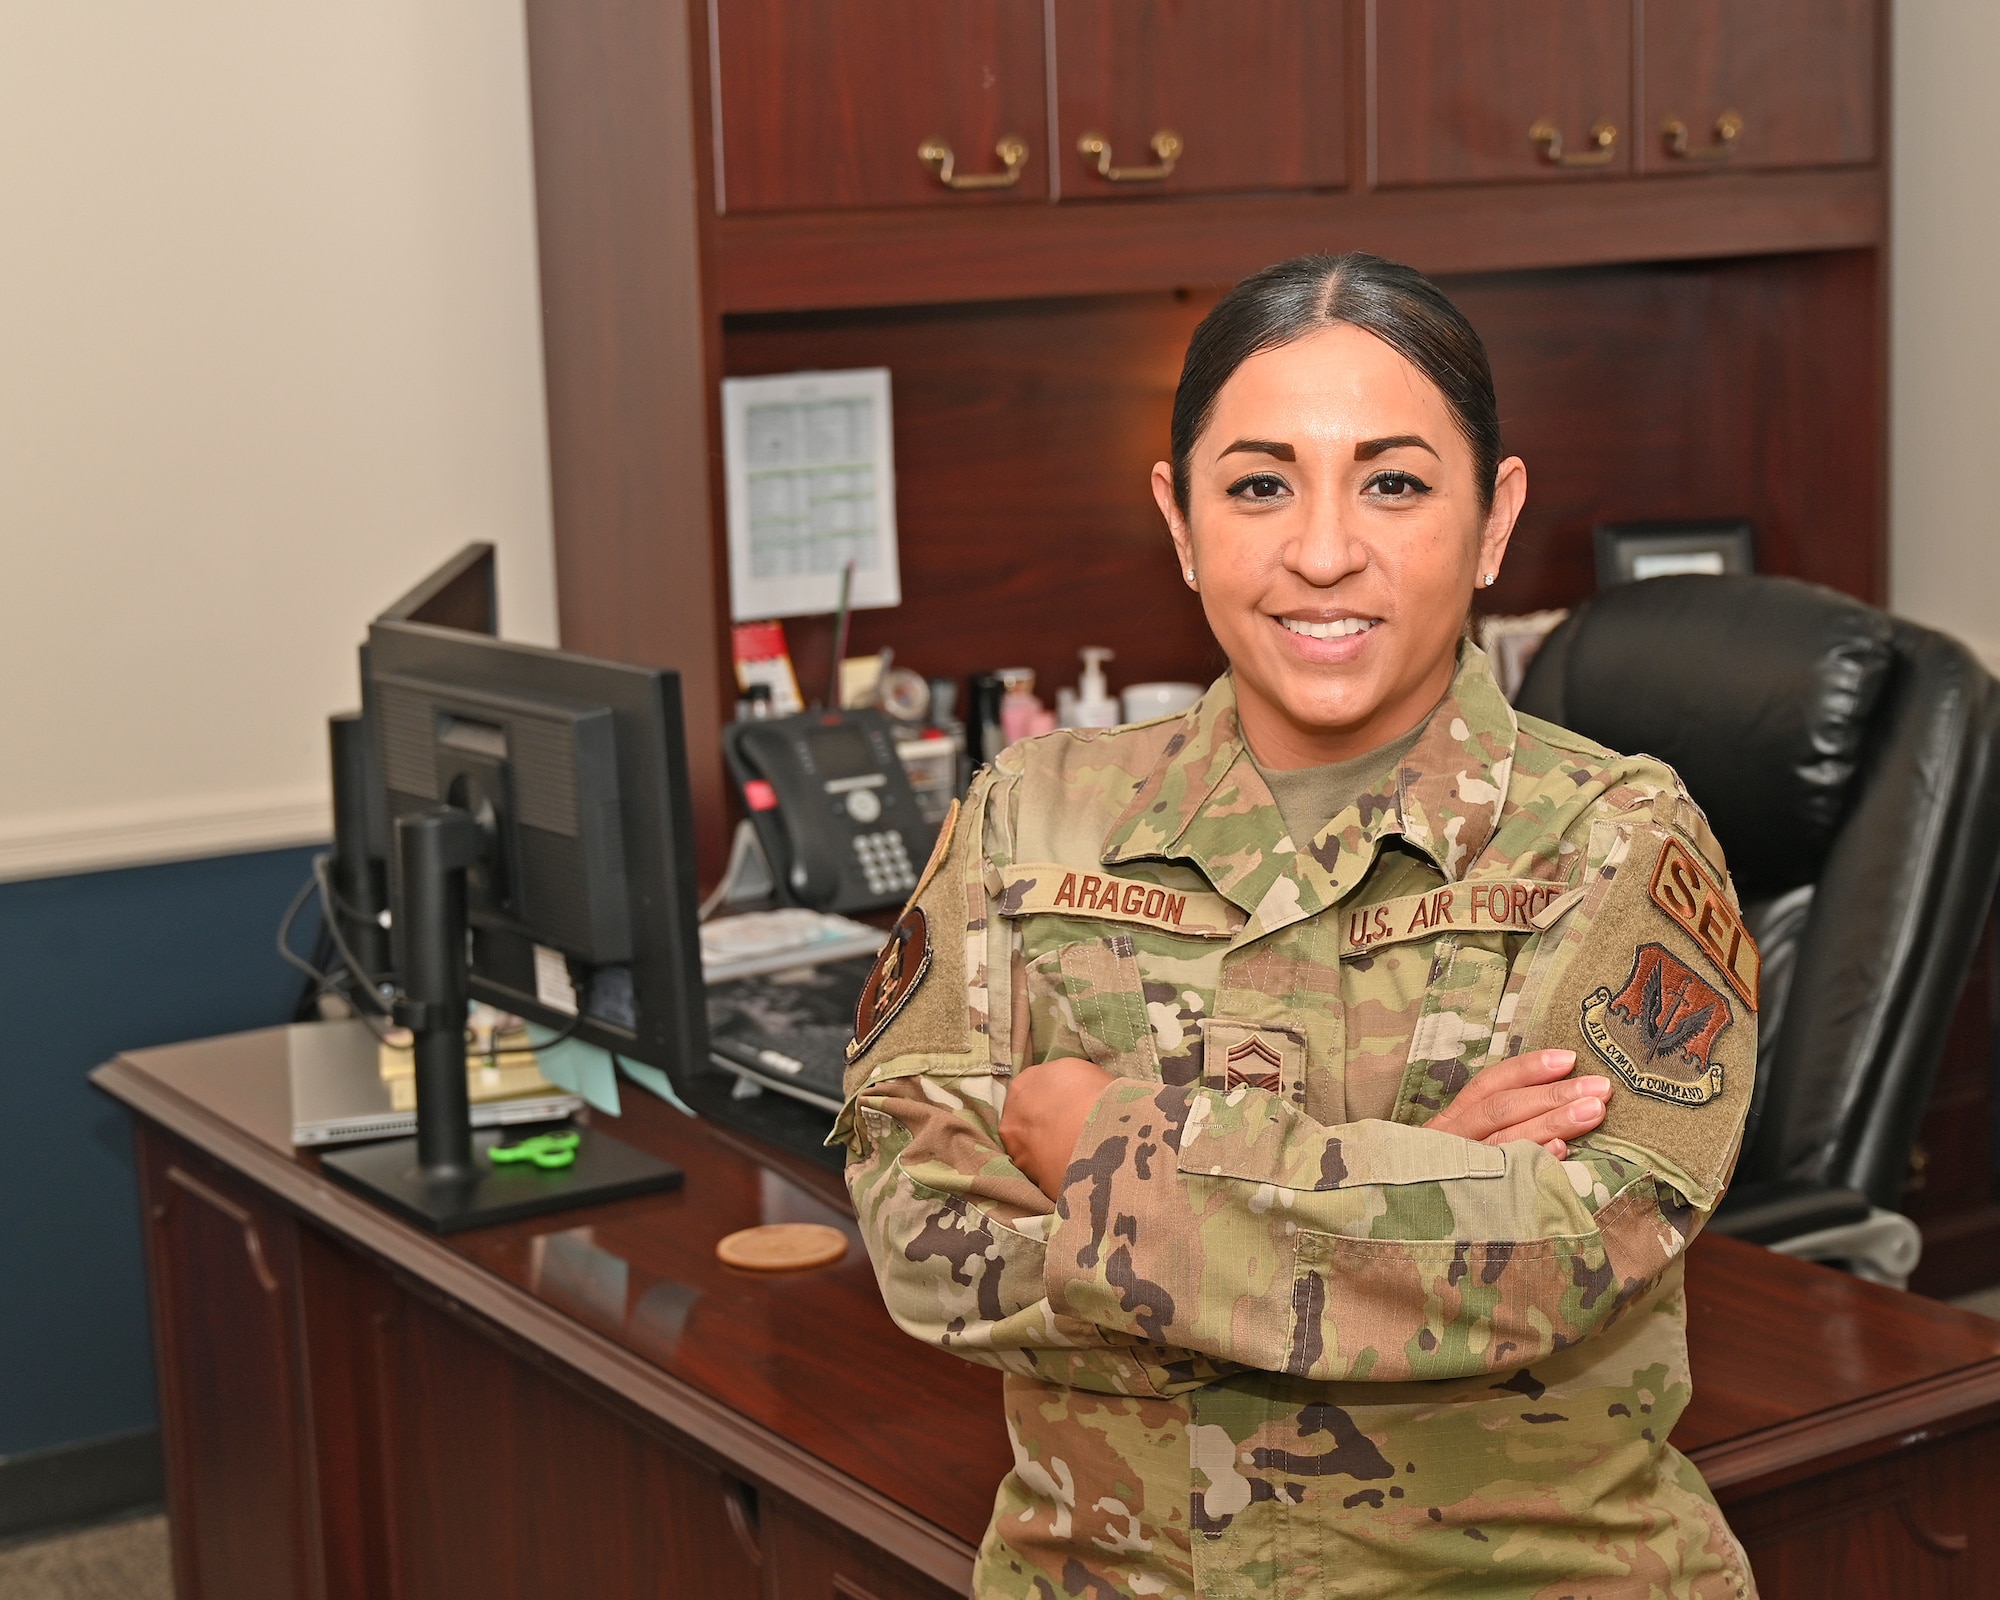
140	833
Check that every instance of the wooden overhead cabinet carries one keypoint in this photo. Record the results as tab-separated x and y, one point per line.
1758	83
836	103
1162	97
1502	91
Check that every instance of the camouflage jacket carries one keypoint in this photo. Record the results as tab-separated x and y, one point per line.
1275	1337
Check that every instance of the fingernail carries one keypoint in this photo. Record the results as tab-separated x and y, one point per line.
1598	1087
1585	1112
1559	1058
1557	1148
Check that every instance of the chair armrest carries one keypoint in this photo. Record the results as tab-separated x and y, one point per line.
1785	1208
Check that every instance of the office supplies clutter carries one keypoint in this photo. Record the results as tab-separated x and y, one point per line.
770	941
500	1061
764	660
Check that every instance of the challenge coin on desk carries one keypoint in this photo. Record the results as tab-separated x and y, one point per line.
782	1247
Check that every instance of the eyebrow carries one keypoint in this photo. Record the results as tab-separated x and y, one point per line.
1369	449
1263	447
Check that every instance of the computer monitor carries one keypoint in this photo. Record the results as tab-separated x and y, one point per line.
463	593
543	861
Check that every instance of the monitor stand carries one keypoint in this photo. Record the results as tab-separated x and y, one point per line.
444	1179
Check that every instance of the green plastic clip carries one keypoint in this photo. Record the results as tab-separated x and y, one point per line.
548	1151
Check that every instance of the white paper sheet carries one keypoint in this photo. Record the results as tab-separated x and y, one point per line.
812	485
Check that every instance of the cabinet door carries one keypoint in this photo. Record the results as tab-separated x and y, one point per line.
1478	91
827	103
1246	95
806	1558
499	1480
1758	83
224	1281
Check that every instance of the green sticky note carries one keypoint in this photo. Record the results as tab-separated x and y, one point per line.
582	1069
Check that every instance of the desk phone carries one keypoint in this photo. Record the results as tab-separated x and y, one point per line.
832	807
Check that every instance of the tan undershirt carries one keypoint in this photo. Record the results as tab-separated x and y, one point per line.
1311	797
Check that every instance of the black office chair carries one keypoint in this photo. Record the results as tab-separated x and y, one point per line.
1846	760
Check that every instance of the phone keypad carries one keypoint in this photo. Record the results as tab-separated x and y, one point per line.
885	861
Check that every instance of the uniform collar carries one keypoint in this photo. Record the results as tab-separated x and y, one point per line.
1205	802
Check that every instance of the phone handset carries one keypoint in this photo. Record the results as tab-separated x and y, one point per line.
807	869
832	807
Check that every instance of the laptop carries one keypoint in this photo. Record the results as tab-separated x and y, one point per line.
338	1096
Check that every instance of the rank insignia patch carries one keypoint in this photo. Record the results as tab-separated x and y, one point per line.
1255	1063
893	979
1658	1033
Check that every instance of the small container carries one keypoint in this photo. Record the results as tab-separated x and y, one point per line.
1022	715
1093	705
1144	701
931	764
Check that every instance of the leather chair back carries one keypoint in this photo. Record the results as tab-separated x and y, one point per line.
1845	759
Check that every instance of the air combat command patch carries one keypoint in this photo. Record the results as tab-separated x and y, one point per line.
1652	975
1659	1032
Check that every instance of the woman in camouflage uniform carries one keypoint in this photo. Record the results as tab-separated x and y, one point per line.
1306	1101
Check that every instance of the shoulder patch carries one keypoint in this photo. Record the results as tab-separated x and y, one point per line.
1682	888
1627	981
894	978
916	1001
1659	1031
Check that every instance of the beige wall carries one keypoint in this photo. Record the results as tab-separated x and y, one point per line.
268	350
1944	406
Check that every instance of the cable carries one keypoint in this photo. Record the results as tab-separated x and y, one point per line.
285	950
331	900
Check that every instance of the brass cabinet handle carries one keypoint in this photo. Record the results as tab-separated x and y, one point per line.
1012	151
1603	138
1166	145
1727	127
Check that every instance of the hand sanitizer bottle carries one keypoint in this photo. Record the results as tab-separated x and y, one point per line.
1095	706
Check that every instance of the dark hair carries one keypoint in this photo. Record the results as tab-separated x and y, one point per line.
1398	304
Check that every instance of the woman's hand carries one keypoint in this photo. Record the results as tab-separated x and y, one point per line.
1044	1115
1527	1097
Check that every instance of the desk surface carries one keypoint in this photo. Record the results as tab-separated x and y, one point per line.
805	1380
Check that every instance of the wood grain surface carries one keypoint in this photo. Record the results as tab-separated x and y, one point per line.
1795	1365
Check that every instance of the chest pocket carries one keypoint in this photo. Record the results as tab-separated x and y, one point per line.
1106	1001
1454	1031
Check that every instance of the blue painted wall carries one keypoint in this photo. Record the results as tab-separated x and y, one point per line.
91	965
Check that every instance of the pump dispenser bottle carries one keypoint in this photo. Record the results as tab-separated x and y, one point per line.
1094	705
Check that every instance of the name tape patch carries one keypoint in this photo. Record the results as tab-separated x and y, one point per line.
1502	905
1683	889
1039	888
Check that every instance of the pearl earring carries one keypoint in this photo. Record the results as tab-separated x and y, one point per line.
1190	574
1490	577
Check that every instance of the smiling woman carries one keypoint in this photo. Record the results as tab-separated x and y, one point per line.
1232	1108
1336	440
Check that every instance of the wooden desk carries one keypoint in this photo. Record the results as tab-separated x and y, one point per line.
592	1405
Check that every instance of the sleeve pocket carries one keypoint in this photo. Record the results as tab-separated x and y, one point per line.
1390	1310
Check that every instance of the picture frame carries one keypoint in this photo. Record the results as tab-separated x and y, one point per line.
1511	644
1630	552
